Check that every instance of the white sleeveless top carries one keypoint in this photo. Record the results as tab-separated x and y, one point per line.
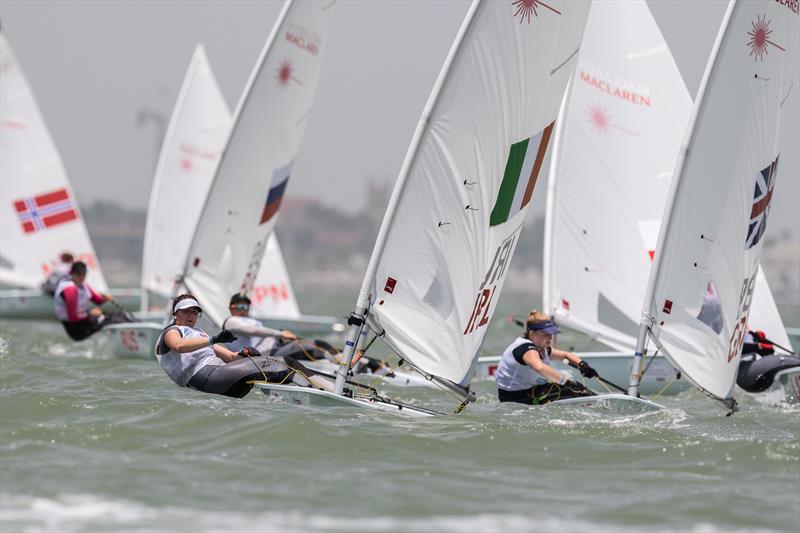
513	375
60	306
180	367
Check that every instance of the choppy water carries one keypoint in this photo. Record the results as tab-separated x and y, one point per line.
89	443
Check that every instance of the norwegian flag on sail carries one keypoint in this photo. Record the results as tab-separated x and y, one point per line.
44	211
765	183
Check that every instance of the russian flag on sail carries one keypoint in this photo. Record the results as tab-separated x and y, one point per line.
44	211
762	196
279	180
522	169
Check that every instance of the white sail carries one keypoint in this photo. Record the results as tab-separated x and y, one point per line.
195	137
702	282
624	119
764	314
40	217
457	210
272	294
242	205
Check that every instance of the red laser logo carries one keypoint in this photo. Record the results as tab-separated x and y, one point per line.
526	8
759	38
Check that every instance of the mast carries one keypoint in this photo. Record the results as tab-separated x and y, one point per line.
357	318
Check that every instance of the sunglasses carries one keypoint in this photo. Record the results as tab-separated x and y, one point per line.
240	307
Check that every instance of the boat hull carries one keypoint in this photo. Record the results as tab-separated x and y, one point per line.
612	366
319	398
304	325
399	378
618	403
789	380
132	339
33	304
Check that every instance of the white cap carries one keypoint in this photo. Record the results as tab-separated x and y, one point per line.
186	304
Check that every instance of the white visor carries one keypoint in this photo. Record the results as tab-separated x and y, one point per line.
186	304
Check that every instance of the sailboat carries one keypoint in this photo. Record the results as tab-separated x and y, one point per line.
618	138
196	134
455	216
234	229
41	218
704	275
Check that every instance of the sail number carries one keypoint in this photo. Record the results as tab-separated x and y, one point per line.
737	337
494	277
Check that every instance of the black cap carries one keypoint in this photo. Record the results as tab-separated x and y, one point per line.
239	298
78	267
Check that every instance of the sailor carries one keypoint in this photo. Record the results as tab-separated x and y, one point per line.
525	374
193	359
760	363
267	340
71	304
60	272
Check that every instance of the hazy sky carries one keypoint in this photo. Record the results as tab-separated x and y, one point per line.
95	66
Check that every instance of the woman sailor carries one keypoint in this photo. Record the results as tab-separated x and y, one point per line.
193	359
525	374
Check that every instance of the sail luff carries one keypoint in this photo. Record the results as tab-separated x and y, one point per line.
236	118
678	174
678	182
362	302
548	298
199	80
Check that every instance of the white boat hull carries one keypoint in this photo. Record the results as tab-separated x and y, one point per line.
304	325
398	379
612	366
618	403
789	381
132	339
319	398
33	304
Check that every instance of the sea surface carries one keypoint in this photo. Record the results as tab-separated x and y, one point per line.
91	443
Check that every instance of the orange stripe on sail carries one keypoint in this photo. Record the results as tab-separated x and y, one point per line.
537	165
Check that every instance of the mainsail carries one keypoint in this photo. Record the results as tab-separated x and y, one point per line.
623	121
703	278
40	217
243	202
616	145
195	137
456	214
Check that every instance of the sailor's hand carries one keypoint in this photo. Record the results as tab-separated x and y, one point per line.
249	351
223	336
288	335
765	348
586	370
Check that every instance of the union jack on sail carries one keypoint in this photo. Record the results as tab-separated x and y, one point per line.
762	197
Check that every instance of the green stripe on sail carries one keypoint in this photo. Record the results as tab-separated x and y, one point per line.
516	157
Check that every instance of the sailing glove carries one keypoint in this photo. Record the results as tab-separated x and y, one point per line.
586	370
223	336
249	351
765	348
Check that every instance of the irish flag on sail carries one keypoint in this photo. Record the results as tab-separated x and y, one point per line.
522	168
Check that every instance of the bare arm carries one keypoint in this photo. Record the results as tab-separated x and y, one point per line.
533	360
242	328
555	353
178	344
225	354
